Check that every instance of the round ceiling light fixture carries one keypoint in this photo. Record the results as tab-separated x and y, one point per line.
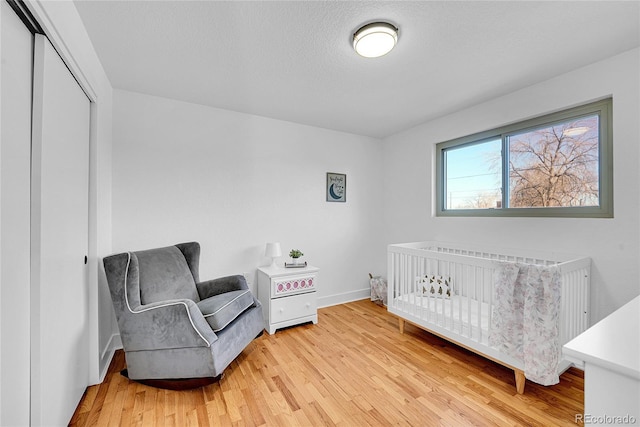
375	39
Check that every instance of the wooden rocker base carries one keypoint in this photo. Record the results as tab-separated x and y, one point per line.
176	383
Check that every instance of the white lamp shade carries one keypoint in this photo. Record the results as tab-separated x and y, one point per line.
375	39
273	250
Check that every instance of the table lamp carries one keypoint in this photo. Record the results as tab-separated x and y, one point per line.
273	251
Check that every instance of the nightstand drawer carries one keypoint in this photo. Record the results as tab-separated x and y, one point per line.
292	307
292	285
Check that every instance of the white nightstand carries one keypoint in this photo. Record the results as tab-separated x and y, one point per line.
288	296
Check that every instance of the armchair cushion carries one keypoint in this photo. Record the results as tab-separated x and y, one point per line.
222	309
221	285
165	275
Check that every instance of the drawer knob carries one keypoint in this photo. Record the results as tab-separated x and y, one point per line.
282	310
308	305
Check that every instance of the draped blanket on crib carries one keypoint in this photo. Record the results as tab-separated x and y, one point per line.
525	319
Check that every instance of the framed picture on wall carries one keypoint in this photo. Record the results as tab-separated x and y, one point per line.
336	187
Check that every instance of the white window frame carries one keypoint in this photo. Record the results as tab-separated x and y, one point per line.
603	108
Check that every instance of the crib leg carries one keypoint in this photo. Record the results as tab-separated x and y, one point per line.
401	324
520	381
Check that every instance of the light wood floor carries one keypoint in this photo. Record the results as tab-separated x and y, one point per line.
351	369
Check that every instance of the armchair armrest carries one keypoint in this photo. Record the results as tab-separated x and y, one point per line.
166	324
221	285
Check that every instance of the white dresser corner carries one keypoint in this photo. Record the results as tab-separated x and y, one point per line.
610	350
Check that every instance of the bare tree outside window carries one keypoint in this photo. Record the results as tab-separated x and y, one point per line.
555	166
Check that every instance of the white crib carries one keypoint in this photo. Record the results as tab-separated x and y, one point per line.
465	317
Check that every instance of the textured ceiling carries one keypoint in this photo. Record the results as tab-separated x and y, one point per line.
293	60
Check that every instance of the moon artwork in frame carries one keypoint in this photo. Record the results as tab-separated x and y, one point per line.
336	187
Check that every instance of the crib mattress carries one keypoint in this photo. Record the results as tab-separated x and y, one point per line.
459	314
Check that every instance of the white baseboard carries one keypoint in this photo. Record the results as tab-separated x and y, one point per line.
344	298
109	350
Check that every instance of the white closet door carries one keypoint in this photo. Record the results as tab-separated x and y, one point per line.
59	228
15	178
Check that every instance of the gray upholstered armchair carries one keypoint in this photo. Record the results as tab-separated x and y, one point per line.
172	325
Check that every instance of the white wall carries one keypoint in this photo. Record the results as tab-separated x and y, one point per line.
234	181
613	244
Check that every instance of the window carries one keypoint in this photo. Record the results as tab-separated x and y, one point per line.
558	165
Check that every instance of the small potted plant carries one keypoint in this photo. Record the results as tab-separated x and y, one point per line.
295	254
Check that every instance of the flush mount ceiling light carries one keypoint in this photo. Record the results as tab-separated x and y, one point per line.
375	39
